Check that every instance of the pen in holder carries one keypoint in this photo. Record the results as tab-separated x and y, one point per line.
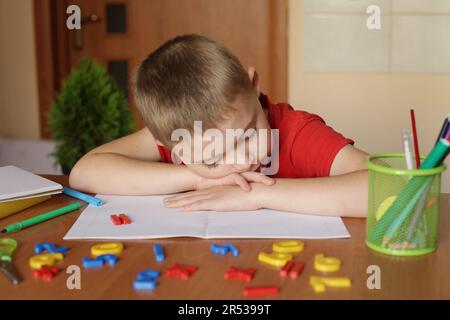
403	206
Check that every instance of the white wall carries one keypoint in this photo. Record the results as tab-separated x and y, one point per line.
19	112
370	107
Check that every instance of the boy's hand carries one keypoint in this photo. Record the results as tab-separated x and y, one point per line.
241	179
219	198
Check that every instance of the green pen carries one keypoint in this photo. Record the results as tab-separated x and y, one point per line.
40	218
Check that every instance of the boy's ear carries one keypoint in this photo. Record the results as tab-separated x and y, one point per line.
253	75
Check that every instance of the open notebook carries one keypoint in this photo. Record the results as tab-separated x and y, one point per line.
152	220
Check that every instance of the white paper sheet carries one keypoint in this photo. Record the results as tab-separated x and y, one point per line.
152	220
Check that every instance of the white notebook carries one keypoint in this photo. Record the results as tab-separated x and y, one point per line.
152	220
16	184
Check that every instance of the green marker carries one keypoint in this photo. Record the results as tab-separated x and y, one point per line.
40	218
437	155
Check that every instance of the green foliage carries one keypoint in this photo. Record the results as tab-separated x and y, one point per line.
89	111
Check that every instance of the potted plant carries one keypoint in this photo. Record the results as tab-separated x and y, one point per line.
89	111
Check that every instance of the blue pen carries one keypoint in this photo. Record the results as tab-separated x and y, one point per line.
86	198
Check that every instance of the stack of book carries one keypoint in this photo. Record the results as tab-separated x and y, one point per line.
20	189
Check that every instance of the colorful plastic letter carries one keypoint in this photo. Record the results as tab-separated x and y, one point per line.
158	250
288	246
220	249
124	218
296	270
320	284
89	263
232	248
148	274
99	261
49	259
46	273
107	248
180	271
49	247
144	284
146	280
286	268
115	220
260	291
241	274
108	258
275	259
326	264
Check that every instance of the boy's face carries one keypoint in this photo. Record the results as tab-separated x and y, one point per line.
235	154
218	155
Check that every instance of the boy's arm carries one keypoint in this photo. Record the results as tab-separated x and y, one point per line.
343	194
129	166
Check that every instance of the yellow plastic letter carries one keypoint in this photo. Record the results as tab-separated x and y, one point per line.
275	259
288	246
107	248
49	259
326	264
320	284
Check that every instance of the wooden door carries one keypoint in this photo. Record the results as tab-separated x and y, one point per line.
128	30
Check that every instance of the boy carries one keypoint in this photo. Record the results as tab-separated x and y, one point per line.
192	80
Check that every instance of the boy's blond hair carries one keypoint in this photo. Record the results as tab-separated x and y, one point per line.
187	79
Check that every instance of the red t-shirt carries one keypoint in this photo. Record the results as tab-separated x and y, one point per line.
307	145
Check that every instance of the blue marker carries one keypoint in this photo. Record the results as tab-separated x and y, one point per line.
159	252
86	198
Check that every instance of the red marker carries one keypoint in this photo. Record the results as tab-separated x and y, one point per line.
416	141
260	291
296	270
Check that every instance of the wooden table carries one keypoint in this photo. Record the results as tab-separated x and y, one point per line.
426	277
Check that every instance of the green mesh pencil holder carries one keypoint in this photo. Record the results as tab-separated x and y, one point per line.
403	208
